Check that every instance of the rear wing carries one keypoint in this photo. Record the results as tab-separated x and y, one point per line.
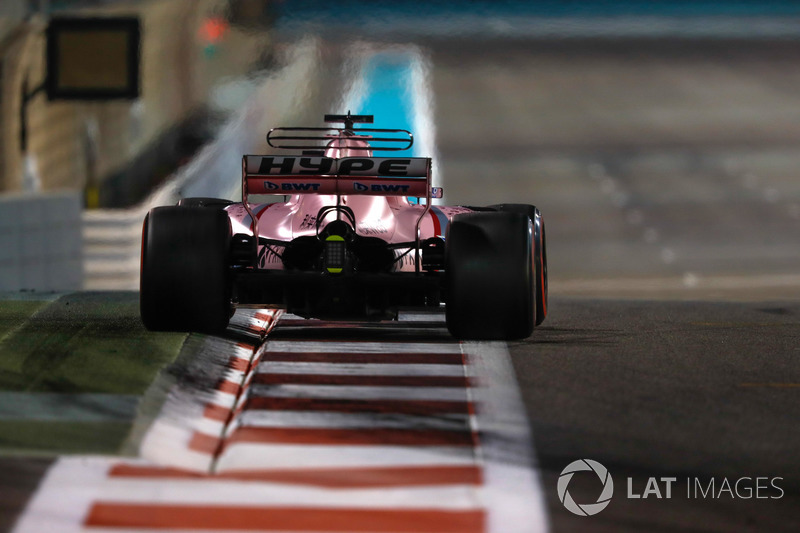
376	176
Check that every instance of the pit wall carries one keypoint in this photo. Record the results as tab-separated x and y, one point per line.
77	145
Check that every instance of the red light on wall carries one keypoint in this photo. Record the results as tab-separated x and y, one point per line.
213	29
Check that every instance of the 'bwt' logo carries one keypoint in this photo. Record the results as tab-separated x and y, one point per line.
587	509
381	187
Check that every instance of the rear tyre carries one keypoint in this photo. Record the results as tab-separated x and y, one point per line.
184	271
489	282
539	253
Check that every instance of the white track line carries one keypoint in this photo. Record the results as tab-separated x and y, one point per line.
359	393
366	369
318	419
362	347
66	492
254	456
247	493
513	489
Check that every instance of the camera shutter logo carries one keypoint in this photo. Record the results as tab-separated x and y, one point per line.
588	509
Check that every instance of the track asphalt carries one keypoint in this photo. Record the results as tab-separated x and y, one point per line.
666	171
667	389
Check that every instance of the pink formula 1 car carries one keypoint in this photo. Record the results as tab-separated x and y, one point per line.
352	237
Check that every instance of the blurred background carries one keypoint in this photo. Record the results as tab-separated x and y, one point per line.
659	138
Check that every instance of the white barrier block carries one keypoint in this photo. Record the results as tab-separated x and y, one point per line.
41	242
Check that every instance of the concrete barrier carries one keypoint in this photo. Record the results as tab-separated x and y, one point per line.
41	242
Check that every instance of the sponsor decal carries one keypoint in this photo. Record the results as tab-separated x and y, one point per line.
372	228
292	186
309	221
314	166
353	166
348	166
381	187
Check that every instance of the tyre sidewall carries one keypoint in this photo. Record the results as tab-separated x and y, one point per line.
490	288
184	275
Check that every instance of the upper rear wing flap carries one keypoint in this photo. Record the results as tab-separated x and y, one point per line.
382	176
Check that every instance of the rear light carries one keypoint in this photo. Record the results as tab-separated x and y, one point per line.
334	254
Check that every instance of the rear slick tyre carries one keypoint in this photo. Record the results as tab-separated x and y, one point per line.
184	272
489	279
539	253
